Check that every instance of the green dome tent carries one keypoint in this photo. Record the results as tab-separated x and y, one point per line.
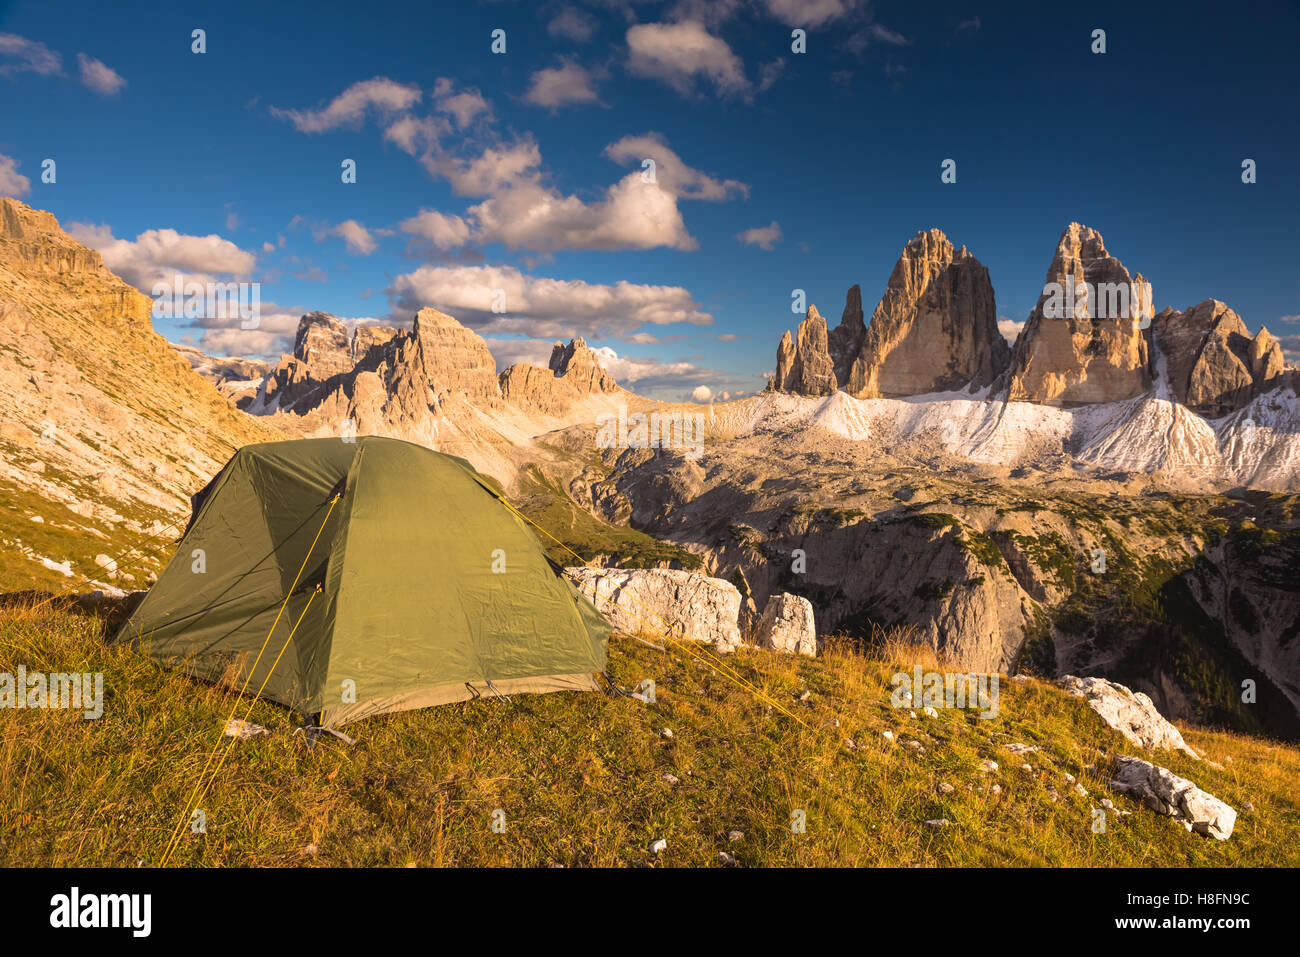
419	587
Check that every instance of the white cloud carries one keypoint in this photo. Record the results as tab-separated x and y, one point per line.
678	53
670	172
558	86
442	230
349	107
632	215
886	35
464	106
357	237
24	54
810	13
702	393
158	254
100	78
1295	318
764	237
537	306
572	24
728	337
495	168
972	25
416	134
12	182
1009	328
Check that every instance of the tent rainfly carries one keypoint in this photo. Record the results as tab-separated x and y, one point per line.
420	588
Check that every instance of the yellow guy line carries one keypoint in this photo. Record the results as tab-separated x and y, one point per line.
181	823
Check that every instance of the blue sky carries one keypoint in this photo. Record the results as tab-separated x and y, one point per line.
522	171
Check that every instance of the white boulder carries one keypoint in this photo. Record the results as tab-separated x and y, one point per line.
787	625
661	601
1133	715
1166	793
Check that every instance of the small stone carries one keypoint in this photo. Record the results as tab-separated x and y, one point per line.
850	744
659	846
938	822
1028	767
1083	792
1052	793
996	789
734	836
1019	679
929	712
666	733
311	850
945	787
1069	779
989	766
726	859
1248	806
887	735
1017	748
671	780
1108	804
805	694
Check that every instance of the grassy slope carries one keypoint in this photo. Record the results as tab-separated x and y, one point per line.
580	775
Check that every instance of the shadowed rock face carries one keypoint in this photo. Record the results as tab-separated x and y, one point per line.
1211	362
845	340
935	329
1066	361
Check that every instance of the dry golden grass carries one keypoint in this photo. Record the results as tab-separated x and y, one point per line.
581	777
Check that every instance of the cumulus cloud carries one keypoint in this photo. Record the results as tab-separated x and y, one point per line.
562	85
1009	328
632	215
99	77
380	95
156	255
439	229
537	306
702	393
12	182
764	237
22	54
463	106
416	134
572	24
679	54
810	13
357	237
670	171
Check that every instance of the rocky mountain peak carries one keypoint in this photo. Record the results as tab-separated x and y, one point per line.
806	367
935	328
1211	362
845	340
33	238
1094	349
